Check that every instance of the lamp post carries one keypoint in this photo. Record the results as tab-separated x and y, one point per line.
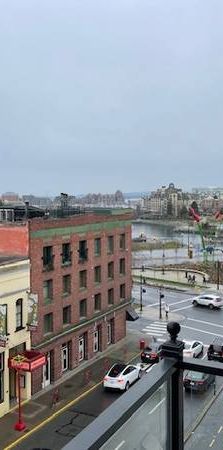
160	303
163	259
218	274
188	242
20	425
141	287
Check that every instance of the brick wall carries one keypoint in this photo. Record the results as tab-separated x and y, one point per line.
14	240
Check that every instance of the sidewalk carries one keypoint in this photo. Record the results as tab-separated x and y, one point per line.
74	383
174	278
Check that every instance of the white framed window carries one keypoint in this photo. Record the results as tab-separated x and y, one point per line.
109	333
95	341
81	348
65	357
19	313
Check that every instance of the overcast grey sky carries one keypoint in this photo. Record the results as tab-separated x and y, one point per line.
99	95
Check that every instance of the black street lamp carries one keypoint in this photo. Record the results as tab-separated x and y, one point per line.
160	303
142	289
218	274
163	259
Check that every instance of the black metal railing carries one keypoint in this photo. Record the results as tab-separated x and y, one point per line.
170	371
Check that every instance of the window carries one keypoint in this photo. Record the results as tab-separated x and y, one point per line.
122	241
67	315
2	377
83	308
4	320
18	314
122	266
96	338
83	251
66	284
110	331
48	291
110	296
48	258
48	323
66	254
110	245
122	291
97	274
65	357
97	247
111	270
83	279
97	302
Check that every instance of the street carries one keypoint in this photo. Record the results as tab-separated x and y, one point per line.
196	323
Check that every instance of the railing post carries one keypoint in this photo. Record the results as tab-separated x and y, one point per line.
175	408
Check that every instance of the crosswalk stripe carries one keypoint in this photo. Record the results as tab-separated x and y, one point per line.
153	333
155	327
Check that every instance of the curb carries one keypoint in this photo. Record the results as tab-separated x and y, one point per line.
202	415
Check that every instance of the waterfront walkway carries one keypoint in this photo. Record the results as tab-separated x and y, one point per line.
169	277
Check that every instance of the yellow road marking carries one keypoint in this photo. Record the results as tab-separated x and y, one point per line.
57	413
212	443
221	427
53	416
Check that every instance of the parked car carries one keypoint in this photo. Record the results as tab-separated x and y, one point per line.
121	376
197	381
150	355
210	300
215	350
193	349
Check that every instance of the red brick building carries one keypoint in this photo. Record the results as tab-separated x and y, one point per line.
81	271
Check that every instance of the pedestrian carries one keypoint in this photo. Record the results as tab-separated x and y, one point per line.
204	279
186	274
167	308
193	279
189	278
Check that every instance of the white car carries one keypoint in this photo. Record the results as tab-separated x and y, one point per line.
121	376
210	300
193	349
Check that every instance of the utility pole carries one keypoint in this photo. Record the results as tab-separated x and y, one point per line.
160	303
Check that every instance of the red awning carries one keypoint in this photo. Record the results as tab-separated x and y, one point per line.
27	361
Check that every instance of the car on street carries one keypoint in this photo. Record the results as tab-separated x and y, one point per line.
121	376
150	355
197	381
215	350
193	349
210	300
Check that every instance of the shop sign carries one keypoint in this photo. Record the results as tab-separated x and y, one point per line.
26	363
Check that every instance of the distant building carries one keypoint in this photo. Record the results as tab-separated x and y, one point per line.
10	197
166	202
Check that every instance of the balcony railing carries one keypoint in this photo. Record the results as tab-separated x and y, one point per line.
127	419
